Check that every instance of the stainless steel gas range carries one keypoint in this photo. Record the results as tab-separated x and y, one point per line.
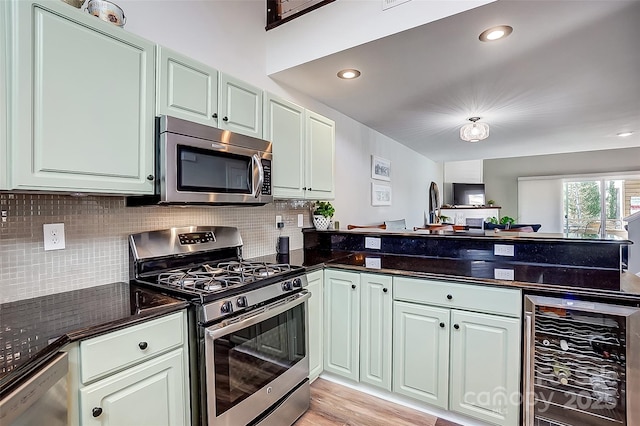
248	326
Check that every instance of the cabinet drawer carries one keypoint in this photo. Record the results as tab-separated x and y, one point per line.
114	351
462	296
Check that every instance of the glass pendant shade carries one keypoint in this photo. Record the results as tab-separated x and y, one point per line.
474	132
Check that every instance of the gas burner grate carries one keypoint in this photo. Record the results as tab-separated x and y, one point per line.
210	279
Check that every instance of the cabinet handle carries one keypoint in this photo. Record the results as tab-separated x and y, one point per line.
449	296
441	325
143	345
304	188
456	326
385	290
215	115
150	177
96	411
225	119
353	286
309	189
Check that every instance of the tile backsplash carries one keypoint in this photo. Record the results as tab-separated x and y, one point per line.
96	230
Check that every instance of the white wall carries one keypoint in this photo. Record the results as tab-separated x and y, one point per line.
339	26
540	201
230	36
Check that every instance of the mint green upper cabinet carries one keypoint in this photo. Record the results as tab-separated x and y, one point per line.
82	102
485	367
421	352
240	107
284	126
315	286
187	88
342	323
4	107
320	156
376	307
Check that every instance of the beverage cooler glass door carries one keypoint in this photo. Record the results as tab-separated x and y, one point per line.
582	363
255	360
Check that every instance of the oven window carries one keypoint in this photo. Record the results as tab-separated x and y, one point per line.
248	359
201	170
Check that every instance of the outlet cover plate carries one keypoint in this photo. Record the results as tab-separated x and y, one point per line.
53	236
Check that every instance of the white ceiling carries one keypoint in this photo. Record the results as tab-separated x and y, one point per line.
567	79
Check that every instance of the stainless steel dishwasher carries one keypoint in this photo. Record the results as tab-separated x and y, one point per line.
41	399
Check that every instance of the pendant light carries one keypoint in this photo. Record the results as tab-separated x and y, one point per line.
474	131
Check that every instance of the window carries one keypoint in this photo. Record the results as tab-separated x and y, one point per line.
598	205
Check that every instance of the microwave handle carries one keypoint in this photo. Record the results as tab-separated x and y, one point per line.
258	175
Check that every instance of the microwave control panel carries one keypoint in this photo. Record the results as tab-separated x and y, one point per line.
266	183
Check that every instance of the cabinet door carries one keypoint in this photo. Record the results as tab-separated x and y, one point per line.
82	103
485	367
316	285
186	88
342	323
4	106
153	393
240	106
320	156
284	127
376	306
421	352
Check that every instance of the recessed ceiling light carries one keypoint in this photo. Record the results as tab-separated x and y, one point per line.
349	74
624	134
495	33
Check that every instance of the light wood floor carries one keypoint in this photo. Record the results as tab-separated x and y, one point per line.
334	404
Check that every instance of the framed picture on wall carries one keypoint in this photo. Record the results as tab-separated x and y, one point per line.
380	168
380	194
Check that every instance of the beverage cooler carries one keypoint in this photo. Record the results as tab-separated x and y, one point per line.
581	363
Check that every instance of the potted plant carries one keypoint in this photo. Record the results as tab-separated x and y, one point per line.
490	203
323	211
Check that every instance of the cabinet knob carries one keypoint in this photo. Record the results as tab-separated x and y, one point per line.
385	290
442	325
150	177
456	326
353	286
449	296
309	189
96	411
225	119
304	188
215	115
143	345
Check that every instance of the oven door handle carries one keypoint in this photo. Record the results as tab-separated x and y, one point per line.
258	175
259	315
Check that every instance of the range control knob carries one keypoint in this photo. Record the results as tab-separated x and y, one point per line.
297	283
242	302
287	286
226	307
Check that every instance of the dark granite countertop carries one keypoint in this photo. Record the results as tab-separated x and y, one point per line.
34	330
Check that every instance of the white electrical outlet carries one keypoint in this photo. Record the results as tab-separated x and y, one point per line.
372	243
300	220
504	274
278	220
503	250
53	236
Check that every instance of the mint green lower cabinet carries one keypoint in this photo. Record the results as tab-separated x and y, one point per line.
148	394
315	304
485	367
421	352
376	307
342	323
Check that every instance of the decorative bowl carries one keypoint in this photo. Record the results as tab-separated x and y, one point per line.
107	11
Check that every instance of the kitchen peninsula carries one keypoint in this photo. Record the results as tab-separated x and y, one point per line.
454	306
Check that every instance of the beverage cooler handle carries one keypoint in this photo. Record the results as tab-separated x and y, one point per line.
528	396
258	175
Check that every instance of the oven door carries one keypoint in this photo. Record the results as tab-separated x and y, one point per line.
194	170
254	360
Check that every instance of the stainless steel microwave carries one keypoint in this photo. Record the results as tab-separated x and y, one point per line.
198	164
